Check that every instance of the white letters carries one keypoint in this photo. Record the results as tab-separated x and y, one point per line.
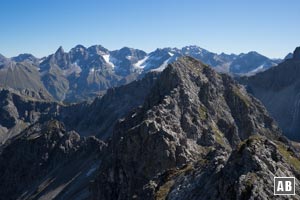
288	186
280	186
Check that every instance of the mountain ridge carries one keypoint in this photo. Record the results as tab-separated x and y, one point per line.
84	72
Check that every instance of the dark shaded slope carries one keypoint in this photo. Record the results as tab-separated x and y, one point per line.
99	117
47	162
279	90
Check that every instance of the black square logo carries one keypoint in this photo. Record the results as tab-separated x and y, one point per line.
284	185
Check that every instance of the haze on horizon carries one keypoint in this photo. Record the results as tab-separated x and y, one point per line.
40	27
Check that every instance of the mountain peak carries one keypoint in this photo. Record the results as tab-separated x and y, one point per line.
60	50
190	108
190	63
79	47
127	50
97	49
296	54
23	57
253	52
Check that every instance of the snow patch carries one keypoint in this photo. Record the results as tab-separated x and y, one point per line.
73	69
42	60
141	63
108	59
163	66
258	69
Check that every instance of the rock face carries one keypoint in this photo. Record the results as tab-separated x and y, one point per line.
23	76
46	162
80	73
278	89
246	174
18	111
296	54
192	113
99	117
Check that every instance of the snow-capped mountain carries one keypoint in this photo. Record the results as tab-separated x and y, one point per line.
84	72
241	64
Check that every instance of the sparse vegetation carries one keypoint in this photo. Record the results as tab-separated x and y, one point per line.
203	112
242	97
164	190
219	136
288	156
252	139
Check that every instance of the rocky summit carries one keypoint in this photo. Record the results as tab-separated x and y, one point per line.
198	135
187	132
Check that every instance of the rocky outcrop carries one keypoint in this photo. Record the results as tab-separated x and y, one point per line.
17	111
247	173
296	54
191	113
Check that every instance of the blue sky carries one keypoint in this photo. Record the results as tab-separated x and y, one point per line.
233	26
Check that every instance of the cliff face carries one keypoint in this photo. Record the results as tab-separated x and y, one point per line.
99	117
18	111
192	116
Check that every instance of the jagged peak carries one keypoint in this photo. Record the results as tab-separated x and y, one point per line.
253	53
184	71
98	49
23	56
60	50
129	50
193	47
296	54
190	63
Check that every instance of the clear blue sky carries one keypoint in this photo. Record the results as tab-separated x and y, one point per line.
271	27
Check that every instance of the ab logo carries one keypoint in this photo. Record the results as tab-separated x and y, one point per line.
284	185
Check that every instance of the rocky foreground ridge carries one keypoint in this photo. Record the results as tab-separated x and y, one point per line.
196	134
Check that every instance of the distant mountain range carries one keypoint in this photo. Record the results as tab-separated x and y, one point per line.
83	73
